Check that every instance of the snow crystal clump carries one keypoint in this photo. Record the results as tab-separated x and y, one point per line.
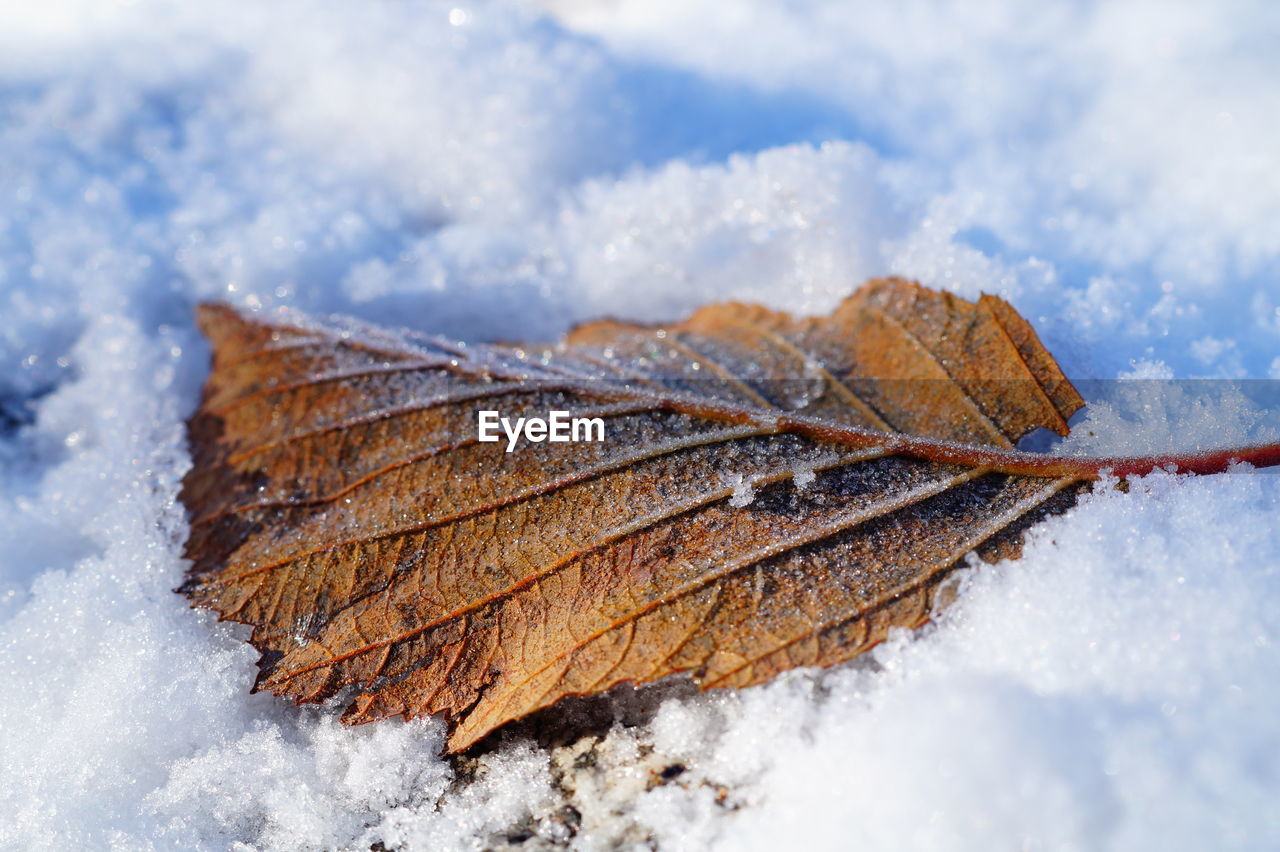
744	492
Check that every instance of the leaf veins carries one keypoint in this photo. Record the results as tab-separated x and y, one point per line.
342	504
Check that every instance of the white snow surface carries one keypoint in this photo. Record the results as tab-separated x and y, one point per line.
495	170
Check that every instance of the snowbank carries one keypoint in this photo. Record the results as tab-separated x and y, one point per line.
488	170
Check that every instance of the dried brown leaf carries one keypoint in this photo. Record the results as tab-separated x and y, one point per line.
343	506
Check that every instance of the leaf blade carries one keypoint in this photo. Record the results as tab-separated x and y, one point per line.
333	513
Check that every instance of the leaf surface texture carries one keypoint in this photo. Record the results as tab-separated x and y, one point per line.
747	512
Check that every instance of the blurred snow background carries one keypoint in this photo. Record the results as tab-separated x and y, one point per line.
497	170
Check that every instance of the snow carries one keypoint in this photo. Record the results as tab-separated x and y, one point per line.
744	492
495	170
